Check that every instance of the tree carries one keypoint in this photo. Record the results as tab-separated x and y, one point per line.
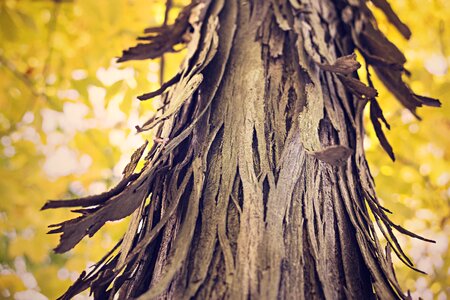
257	184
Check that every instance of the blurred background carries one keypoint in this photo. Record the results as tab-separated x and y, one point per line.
67	117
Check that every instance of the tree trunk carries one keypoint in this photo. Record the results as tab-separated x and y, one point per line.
257	186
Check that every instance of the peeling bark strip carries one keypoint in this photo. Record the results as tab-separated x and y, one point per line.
258	183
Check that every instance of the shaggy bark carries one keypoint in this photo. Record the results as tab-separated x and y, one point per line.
257	185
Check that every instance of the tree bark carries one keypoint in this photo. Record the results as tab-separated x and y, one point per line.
258	187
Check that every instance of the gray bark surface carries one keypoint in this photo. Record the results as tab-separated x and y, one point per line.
258	187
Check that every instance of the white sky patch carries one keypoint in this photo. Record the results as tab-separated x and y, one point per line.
133	116
9	151
73	118
28	280
367	142
28	233
74	276
151	77
140	225
109	76
106	173
60	127
85	162
153	66
443	179
442	296
127	144
113	74
79	74
51	79
425	169
132	142
56	138
6	140
433	149
441	245
97	98
49	120
407	116
71	94
77	188
114	115
20	265
30	134
120	165
116	137
61	163
413	128
131	82
63	274
97	187
106	241
70	120
64	161
15	136
29	294
28	117
436	64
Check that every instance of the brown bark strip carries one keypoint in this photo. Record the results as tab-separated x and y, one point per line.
161	90
392	17
91	200
375	114
343	65
163	39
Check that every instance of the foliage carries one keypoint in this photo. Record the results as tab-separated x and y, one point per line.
67	121
416	187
